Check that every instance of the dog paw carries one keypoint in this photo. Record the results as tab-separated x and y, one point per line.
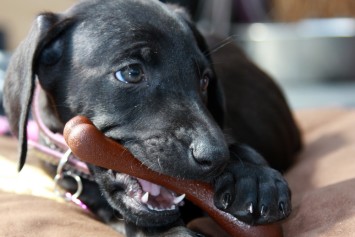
253	194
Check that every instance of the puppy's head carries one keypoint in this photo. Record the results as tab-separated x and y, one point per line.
138	69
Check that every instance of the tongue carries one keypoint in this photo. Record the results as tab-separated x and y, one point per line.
149	187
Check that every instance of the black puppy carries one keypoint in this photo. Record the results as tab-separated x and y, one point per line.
142	73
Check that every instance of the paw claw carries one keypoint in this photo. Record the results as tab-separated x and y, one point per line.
251	208
264	211
226	200
282	208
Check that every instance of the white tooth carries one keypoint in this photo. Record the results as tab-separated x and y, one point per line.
117	176
145	197
172	207
179	199
150	207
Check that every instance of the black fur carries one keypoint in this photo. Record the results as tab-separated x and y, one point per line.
169	120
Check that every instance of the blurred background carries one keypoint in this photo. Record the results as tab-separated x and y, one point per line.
307	46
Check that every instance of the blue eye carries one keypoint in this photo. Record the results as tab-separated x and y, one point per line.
130	74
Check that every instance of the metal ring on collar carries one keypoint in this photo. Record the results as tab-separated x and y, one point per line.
61	174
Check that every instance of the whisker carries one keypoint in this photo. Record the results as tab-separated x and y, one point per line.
198	68
222	44
130	141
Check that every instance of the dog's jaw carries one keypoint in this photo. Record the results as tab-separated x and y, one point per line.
139	201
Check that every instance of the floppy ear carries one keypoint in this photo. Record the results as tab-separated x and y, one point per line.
20	78
215	103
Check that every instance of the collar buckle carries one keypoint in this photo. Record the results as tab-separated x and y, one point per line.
61	174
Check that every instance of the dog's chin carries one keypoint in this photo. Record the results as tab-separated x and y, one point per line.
140	202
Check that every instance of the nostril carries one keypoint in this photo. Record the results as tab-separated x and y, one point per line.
208	159
201	159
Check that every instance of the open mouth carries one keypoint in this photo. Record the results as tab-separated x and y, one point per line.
158	198
143	202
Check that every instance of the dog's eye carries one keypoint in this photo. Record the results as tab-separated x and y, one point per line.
130	74
204	81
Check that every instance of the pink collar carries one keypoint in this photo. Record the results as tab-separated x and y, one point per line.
57	152
56	144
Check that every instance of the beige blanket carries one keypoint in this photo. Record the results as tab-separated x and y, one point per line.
322	182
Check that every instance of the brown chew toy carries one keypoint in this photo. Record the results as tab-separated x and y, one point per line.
90	145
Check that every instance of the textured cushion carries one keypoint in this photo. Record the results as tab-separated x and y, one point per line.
30	216
323	179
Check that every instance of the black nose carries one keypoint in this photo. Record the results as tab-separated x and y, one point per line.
208	158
